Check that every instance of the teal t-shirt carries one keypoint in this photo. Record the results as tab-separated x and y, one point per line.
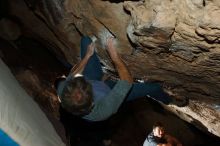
106	101
109	105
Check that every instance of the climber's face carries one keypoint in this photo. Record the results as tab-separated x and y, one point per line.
158	132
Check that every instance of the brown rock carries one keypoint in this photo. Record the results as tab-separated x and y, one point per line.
172	41
10	30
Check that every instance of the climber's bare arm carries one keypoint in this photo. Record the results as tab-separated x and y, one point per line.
78	68
123	72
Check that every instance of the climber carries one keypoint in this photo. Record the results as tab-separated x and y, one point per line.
158	137
85	94
87	98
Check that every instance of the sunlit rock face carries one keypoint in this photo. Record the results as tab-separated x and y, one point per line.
175	42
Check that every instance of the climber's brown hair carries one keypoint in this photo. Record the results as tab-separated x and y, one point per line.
77	96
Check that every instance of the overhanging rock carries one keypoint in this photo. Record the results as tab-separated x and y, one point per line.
175	42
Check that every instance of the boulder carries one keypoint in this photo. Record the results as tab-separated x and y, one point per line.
174	42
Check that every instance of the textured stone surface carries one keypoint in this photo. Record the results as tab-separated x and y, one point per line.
175	42
9	29
183	37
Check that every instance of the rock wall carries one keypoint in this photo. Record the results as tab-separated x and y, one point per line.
175	42
183	37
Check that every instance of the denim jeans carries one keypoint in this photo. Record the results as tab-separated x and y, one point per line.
93	71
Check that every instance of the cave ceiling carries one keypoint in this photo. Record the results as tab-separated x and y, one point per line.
173	42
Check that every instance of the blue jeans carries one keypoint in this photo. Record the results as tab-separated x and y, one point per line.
93	71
